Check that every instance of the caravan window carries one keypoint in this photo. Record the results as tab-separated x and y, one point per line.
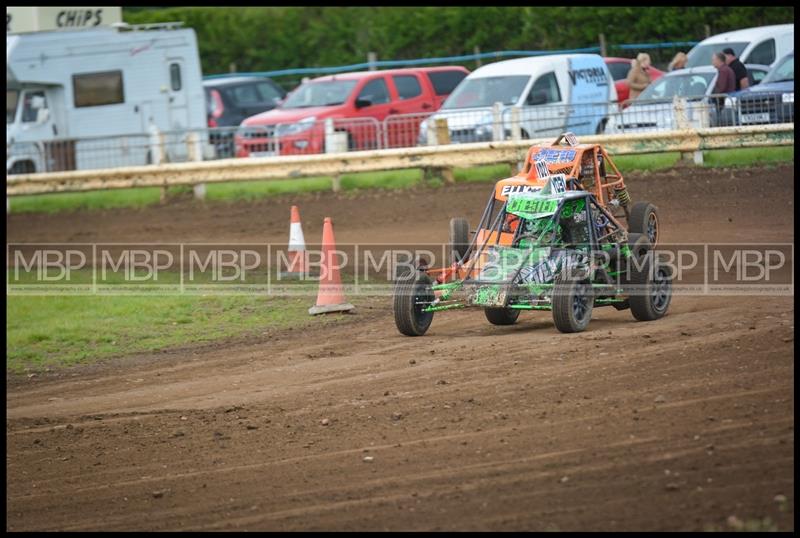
175	77
97	89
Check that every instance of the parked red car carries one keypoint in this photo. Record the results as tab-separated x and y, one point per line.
619	68
357	102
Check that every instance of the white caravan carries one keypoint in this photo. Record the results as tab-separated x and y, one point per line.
99	97
761	45
555	93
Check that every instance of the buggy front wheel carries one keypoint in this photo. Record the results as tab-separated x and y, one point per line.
411	297
651	292
573	301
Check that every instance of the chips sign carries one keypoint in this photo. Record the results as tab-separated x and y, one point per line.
47	18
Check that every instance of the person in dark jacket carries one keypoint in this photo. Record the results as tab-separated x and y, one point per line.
738	67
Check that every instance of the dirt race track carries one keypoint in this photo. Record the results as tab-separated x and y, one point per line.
683	423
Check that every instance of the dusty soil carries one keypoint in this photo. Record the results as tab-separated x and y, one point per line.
676	424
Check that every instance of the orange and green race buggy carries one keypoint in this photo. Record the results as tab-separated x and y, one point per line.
550	238
587	167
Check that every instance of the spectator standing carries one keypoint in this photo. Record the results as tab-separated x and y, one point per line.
726	79
638	77
678	62
738	67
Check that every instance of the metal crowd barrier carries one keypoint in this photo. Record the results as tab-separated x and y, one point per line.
487	124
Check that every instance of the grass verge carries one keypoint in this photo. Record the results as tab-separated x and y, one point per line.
57	331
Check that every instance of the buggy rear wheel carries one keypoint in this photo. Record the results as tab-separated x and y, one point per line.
573	301
411	296
501	316
639	244
644	220
459	238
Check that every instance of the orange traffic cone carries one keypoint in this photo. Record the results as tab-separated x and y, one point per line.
330	297
298	259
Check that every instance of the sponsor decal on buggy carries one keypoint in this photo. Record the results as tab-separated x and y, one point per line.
546	270
518	189
531	208
556	155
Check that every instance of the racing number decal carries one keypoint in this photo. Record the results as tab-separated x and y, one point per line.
558	184
541	168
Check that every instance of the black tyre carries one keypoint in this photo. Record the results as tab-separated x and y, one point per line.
639	244
601	127
644	220
651	292
459	239
501	316
411	296
573	301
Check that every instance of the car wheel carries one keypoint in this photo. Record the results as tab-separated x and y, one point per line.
459	239
411	296
573	302
644	220
651	291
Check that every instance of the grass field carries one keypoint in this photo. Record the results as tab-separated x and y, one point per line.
58	331
399	179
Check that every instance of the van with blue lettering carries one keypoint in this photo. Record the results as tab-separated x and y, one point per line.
82	97
552	94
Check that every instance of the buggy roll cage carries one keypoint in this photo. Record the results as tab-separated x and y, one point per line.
471	256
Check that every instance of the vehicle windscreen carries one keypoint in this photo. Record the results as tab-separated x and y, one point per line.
619	70
683	85
254	94
701	54
12	100
486	91
324	93
783	72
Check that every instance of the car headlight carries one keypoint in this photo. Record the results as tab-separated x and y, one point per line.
295	128
788	97
730	102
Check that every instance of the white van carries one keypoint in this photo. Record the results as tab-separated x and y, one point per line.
562	92
94	98
761	45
